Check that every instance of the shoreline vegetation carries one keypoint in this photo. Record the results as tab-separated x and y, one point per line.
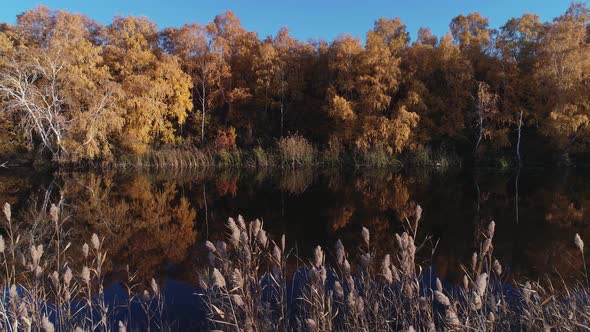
288	152
255	282
129	93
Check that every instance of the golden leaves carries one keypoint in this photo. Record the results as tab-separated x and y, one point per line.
341	109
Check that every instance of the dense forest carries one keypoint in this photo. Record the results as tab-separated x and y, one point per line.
75	91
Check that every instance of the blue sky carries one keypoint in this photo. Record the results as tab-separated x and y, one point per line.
305	18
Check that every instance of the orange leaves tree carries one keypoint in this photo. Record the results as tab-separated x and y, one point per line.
75	90
562	72
58	87
156	91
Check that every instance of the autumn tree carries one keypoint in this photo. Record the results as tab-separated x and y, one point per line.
156	92
486	108
279	71
383	123
562	72
234	48
193	46
517	46
58	85
437	86
343	57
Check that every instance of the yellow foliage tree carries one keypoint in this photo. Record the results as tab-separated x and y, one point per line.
156	91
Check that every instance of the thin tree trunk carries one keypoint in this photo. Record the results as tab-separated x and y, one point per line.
206	212
516	192
518	141
480	134
203	106
282	114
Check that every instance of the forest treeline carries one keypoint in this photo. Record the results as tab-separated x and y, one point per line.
74	90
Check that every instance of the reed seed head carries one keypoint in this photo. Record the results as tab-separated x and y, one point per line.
236	280
68	276
2	245
237	300
311	324
497	268
439	285
255	227
221	247
36	253
276	254
579	243
491	229
234	232
451	318
442	298
217	279
340	253
476	303
210	246
122	327
13	292
318	257
47	325
346	267
85	250
86	275
7	212
95	241
418	213
482	282
262	238
55	278
241	222
386	269
155	288
366	236
54	213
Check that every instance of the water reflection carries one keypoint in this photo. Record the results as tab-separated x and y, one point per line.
155	222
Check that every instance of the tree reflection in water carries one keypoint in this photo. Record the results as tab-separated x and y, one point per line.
155	222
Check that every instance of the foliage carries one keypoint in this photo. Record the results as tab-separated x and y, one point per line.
73	90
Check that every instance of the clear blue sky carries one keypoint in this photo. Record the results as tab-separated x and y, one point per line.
305	18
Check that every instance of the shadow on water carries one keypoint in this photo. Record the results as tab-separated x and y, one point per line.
156	222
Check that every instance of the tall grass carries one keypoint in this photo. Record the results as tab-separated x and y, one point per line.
50	284
289	151
377	156
294	151
254	283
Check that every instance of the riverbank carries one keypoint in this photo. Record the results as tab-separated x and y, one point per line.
293	154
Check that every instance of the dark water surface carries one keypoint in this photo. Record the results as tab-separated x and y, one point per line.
156	222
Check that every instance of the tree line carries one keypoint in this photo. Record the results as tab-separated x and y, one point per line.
74	90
